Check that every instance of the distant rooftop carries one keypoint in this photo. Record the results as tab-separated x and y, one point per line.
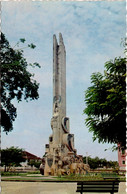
28	155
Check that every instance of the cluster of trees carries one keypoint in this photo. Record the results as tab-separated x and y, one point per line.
34	163
13	156
100	163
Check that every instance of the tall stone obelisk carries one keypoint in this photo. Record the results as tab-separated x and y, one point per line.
61	157
59	87
59	74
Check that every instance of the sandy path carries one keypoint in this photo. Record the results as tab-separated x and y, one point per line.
44	188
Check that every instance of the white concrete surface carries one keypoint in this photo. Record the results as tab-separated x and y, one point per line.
44	188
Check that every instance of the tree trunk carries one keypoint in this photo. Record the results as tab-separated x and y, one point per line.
5	168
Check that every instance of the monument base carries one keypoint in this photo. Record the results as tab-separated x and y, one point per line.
67	165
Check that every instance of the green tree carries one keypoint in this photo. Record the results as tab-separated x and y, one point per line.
106	103
100	163
16	81
93	162
34	163
12	156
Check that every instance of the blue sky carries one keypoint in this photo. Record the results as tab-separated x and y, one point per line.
92	33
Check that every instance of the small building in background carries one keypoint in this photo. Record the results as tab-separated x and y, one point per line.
122	154
28	156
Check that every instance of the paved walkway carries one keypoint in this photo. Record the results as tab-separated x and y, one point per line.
44	188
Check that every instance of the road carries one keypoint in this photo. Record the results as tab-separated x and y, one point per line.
44	188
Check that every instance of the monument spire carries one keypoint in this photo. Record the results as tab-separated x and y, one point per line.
59	75
61	39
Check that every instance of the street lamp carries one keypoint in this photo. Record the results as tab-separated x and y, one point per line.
87	157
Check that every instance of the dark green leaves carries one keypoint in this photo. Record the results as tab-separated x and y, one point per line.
12	156
16	81
22	40
100	163
31	45
105	103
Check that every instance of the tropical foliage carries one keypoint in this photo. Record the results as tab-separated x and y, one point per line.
106	103
10	157
100	163
16	81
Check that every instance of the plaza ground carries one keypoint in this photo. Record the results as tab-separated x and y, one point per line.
45	188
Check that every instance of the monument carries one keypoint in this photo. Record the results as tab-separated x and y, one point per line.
60	155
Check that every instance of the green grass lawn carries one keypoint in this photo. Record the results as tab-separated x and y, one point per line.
19	173
86	177
37	177
90	177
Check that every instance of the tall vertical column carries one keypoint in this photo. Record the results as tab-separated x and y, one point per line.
55	71
59	76
62	63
